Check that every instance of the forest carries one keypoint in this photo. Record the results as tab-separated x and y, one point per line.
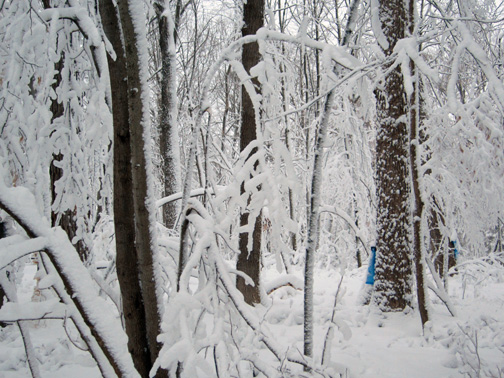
251	188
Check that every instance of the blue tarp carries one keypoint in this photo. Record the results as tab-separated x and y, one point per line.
371	268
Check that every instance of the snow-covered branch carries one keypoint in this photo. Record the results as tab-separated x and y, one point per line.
20	204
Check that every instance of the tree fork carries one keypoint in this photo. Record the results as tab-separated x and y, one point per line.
124	223
138	111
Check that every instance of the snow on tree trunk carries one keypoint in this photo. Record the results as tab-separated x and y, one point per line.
124	222
249	260
393	261
168	127
418	202
135	44
313	227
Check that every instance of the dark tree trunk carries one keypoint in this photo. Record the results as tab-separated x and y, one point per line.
126	255
133	32
393	260
249	260
138	117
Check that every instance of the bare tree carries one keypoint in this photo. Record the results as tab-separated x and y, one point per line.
133	185
135	47
249	260
126	249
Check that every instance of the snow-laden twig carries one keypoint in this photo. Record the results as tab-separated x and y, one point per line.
327	349
50	309
14	247
206	249
438	289
343	215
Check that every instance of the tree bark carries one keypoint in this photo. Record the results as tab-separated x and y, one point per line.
418	203
393	261
313	232
249	260
124	222
135	42
168	128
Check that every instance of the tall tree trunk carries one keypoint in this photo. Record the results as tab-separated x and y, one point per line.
313	233
249	260
393	262
124	222
168	132
131	14
418	203
313	230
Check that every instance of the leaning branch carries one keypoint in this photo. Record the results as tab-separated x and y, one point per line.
20	204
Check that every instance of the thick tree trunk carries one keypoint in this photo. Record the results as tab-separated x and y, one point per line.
135	47
249	260
124	222
393	260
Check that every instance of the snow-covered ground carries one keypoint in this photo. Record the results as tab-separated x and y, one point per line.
364	344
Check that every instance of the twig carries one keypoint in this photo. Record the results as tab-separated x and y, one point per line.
331	326
75	344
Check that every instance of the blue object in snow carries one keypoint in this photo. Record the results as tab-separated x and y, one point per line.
455	250
371	268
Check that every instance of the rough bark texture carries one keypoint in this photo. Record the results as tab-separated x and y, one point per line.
249	261
126	255
168	132
393	261
134	40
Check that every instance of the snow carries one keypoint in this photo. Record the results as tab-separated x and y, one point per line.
360	341
376	25
21	204
365	343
